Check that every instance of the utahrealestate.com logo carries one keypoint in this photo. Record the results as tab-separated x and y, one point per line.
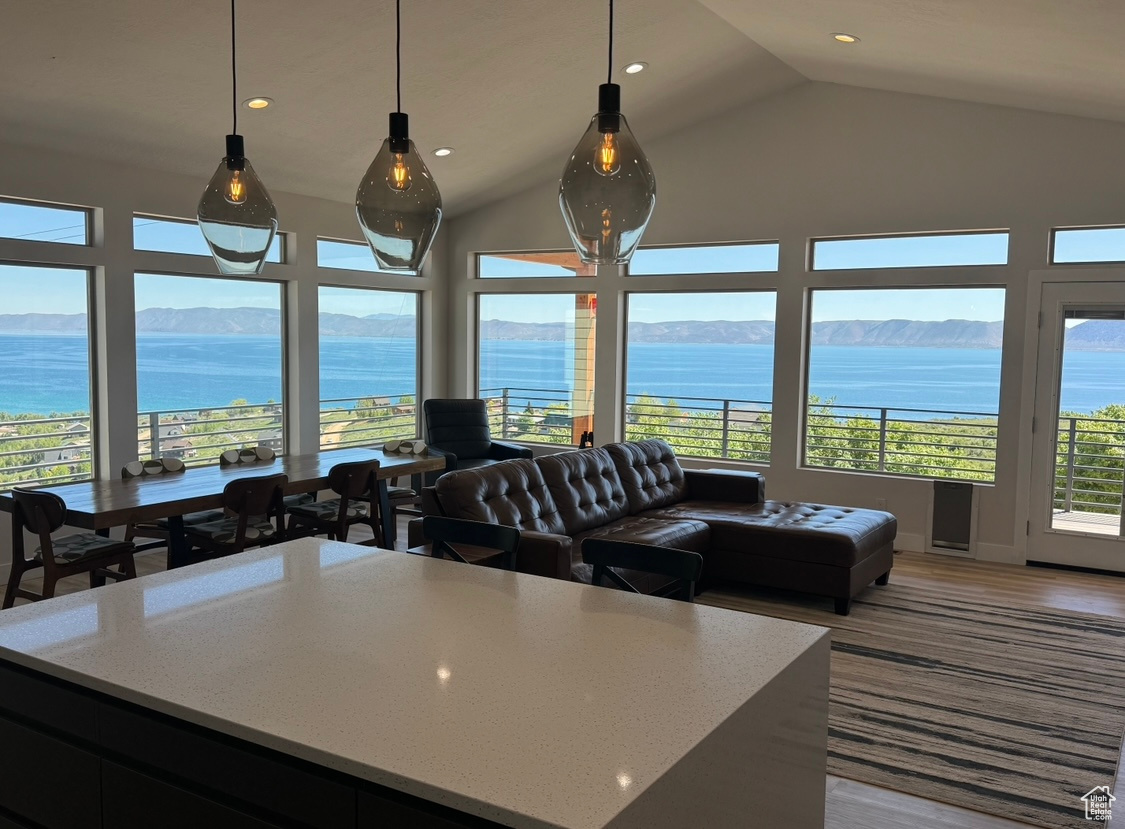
1099	803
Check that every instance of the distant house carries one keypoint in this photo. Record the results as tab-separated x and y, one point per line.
8	430
77	428
403	409
65	454
170	430
177	448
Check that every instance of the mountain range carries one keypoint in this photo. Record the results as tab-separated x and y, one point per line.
1093	335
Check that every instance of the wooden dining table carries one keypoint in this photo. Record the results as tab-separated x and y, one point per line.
102	504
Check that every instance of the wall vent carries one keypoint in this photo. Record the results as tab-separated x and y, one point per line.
952	525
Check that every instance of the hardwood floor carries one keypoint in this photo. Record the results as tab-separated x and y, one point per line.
853	805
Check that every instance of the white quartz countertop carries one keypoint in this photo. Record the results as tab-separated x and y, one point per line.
529	701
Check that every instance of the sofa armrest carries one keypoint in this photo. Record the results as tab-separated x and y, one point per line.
544	554
725	485
499	451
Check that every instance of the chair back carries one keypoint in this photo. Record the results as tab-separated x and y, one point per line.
604	554
351	480
253	454
255	496
444	532
42	512
458	426
156	466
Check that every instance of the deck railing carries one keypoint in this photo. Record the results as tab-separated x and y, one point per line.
361	421
923	443
38	450
1090	465
199	436
702	427
531	415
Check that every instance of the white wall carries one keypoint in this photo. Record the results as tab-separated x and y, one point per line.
822	160
117	191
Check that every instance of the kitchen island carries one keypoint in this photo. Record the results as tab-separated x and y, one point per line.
315	683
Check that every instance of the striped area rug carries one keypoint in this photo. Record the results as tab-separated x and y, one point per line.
1011	711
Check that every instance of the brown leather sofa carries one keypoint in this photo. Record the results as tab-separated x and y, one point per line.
639	492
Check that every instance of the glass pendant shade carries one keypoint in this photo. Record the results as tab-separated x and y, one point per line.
608	190
398	206
236	215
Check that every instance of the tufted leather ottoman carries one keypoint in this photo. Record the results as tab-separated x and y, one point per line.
814	548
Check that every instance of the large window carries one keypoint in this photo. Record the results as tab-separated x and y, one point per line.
368	366
536	365
920	251
209	366
905	381
46	430
183	236
700	372
732	258
37	222
541	263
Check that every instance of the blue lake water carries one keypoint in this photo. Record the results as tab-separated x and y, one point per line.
185	371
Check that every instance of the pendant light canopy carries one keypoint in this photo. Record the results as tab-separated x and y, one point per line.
397	203
608	190
236	214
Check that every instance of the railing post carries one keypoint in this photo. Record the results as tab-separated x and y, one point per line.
504	413
154	434
882	439
726	428
1073	435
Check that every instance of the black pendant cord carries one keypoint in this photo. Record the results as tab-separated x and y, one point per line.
398	55
609	78
233	70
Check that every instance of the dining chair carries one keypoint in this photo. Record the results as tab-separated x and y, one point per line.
42	513
357	485
254	517
626	564
470	542
159	529
262	454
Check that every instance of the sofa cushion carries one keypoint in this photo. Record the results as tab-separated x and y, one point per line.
650	474
694	536
512	493
681	535
586	488
816	533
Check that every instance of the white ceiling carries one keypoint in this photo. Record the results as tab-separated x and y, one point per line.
509	84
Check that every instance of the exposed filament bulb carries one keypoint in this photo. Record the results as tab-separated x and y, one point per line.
398	177
607	160
236	188
607	225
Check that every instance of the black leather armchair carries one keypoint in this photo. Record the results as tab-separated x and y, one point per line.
458	429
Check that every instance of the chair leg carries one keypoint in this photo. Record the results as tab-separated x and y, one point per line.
49	585
129	567
96	579
14	578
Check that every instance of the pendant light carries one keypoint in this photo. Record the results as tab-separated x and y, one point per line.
236	214
608	190
397	203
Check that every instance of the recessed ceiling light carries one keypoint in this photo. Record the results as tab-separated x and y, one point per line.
844	37
258	103
441	152
634	68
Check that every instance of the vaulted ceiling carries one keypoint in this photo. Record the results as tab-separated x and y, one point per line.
509	84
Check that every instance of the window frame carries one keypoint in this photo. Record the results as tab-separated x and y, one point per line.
281	238
87	212
744	243
476	331
1053	242
810	264
91	370
624	390
283	286
802	463
418	362
375	265
501	280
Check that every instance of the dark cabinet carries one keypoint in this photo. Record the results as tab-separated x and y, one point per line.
47	781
